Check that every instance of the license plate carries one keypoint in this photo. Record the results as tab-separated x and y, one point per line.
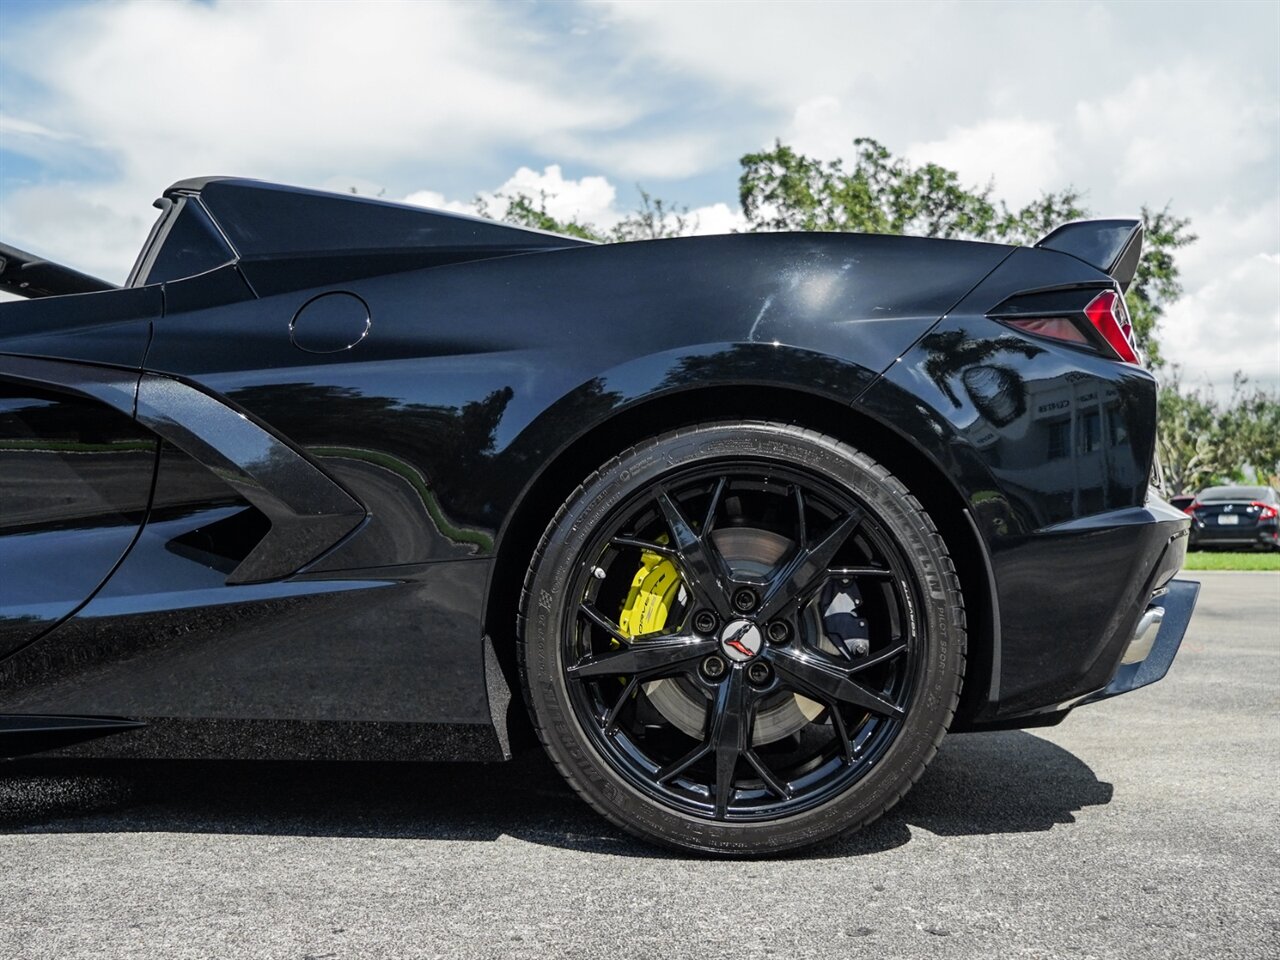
1228	519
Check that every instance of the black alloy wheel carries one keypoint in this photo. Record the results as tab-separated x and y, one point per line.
741	638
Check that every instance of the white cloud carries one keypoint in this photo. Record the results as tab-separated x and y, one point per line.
268	91
1179	130
438	201
450	97
716	218
271	94
86	228
1230	323
17	127
657	155
1230	232
1019	155
589	200
782	53
820	127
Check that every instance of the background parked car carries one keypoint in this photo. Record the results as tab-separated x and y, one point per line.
1236	517
1182	500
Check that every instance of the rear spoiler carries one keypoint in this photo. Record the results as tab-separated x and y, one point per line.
1112	246
27	275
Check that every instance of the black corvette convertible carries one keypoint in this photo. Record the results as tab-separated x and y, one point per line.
739	526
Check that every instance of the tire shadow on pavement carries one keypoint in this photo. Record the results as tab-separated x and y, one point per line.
1007	782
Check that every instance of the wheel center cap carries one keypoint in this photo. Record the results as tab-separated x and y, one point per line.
740	640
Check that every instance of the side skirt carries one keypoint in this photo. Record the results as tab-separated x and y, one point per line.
20	734
167	738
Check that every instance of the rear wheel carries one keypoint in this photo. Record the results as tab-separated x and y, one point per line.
741	638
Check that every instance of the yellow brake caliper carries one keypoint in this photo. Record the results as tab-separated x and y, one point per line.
654	589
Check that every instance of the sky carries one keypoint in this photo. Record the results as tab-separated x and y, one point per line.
103	105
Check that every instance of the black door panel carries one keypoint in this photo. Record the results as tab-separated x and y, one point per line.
75	479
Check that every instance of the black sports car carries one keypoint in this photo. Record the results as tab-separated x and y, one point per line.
739	526
1236	517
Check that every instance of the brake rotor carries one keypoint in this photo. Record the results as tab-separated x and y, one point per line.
753	552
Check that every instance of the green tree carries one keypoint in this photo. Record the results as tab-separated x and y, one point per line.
1202	442
1251	424
653	219
780	189
1156	284
523	211
1189	440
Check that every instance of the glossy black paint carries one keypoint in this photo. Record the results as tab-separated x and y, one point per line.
28	275
36	734
306	511
110	327
1112	246
472	377
1052	446
379	473
75	478
1178	602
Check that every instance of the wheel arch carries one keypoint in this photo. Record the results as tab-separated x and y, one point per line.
936	491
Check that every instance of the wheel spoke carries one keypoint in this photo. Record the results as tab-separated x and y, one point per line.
589	611
677	767
883	656
647	658
824	681
842	731
773	783
852	572
611	718
704	569
802	533
807	569
646	545
729	734
709	521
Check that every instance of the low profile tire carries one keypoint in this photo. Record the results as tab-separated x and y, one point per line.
741	639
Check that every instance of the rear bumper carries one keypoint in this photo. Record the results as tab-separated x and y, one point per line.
1175	604
1090	592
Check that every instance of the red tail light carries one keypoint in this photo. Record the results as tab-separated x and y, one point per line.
1265	510
1110	318
1068	315
1060	328
1193	506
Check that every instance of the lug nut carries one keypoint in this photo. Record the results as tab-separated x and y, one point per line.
704	621
744	601
758	673
778	632
713	667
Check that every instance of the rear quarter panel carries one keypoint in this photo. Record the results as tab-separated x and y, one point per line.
466	363
1052	448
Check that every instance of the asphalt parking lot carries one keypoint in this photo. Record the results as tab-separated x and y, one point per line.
1147	826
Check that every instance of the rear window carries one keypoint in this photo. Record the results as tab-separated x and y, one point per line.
1236	493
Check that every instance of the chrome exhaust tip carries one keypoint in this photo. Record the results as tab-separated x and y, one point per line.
1144	636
